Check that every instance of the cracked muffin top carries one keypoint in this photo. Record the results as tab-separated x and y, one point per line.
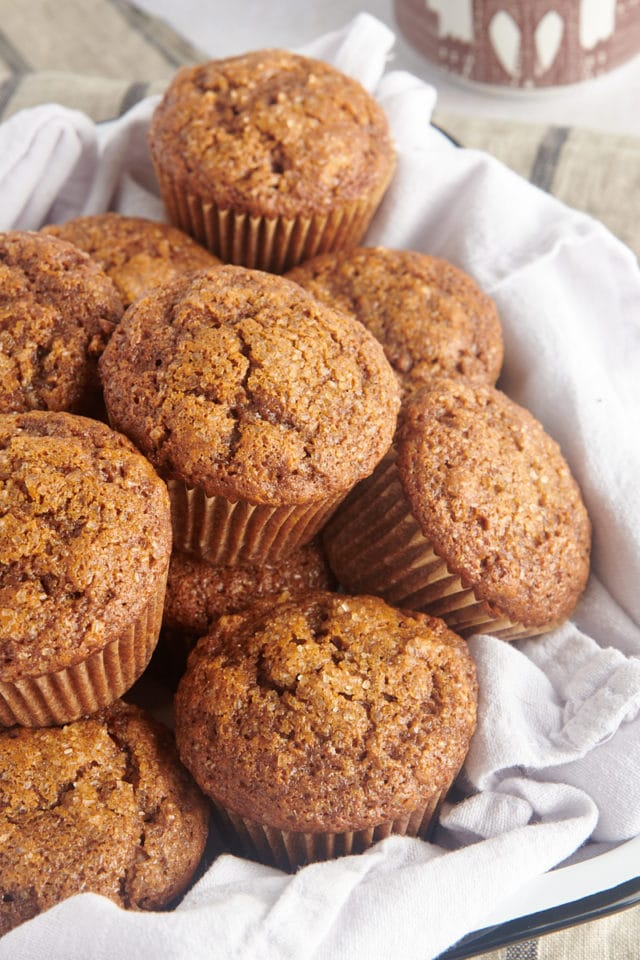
135	253
57	312
241	383
102	805
431	318
493	493
85	539
271	133
199	592
326	712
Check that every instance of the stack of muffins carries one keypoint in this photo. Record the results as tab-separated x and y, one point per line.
309	484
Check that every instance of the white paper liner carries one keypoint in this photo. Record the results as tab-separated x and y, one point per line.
86	687
290	849
275	244
223	532
375	545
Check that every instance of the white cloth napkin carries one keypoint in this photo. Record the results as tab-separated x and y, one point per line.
556	759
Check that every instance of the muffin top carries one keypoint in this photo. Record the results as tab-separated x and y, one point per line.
241	383
85	533
199	592
57	312
135	253
326	712
100	805
431	318
493	493
272	133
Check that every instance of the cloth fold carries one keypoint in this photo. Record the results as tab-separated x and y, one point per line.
555	762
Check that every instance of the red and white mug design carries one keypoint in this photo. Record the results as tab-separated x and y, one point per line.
522	43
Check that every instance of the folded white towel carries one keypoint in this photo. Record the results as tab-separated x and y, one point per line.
556	759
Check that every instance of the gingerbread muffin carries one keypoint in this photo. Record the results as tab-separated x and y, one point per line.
431	318
260	406
102	805
321	724
199	592
134	252
57	312
478	520
270	158
85	541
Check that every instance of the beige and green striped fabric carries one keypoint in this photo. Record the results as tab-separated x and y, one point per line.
591	171
615	937
102	56
98	56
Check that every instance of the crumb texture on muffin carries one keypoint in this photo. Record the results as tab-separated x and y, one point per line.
326	712
136	253
199	592
272	133
494	495
431	318
242	384
57	312
85	537
101	805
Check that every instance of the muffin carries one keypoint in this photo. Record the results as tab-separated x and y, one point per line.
323	723
270	158
260	407
478	520
135	253
101	805
199	592
57	312
431	318
85	541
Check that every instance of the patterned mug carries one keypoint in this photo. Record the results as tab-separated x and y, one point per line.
522	43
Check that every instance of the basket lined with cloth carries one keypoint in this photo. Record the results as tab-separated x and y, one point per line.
544	156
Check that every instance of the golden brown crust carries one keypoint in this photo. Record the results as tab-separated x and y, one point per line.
57	312
494	495
199	592
135	253
85	539
273	134
431	318
240	383
101	805
326	712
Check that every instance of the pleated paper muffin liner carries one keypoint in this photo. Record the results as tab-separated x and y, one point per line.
274	244
375	545
290	849
90	685
223	532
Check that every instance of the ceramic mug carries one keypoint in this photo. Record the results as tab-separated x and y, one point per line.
522	43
